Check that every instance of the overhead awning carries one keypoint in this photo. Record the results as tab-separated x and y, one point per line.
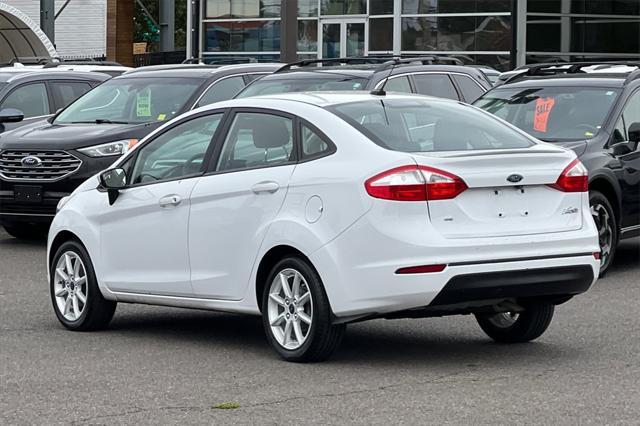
21	37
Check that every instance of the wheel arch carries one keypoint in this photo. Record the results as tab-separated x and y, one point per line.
268	261
609	189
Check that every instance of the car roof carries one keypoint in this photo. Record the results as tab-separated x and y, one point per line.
326	99
25	74
198	70
594	80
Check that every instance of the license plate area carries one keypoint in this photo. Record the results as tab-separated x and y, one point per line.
509	202
27	194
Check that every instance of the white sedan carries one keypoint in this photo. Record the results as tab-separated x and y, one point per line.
319	209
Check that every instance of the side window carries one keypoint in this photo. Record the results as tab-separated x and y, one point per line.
177	153
248	78
257	140
619	133
69	91
631	117
223	90
398	84
31	99
470	90
312	143
439	85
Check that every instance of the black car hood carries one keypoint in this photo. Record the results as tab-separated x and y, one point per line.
578	146
44	135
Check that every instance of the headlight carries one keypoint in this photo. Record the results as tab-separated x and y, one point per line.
110	148
62	202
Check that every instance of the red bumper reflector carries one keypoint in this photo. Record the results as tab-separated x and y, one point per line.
597	255
424	269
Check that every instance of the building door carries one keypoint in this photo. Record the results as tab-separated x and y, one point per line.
342	38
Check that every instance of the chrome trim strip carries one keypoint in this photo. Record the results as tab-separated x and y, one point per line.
630	229
27	214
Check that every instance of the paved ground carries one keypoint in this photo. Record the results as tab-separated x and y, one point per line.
160	365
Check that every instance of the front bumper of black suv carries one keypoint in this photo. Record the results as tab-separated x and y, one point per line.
34	200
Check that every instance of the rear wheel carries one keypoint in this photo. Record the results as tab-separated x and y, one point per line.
296	314
512	327
75	295
26	231
605	219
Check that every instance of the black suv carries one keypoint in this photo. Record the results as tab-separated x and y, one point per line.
594	109
28	95
428	75
42	162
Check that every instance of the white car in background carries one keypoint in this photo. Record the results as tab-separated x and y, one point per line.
319	209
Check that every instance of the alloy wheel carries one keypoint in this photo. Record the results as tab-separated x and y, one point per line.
290	309
504	320
605	231
70	286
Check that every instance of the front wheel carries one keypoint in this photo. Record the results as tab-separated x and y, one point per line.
512	327
605	220
296	314
75	295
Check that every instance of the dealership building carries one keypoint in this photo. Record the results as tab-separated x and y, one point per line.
499	33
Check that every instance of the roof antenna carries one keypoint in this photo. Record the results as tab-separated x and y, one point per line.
380	91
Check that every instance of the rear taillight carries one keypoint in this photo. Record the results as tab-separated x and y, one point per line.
574	178
415	183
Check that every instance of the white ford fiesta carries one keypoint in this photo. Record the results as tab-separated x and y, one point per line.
319	209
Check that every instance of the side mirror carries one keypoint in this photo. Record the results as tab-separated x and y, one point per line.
11	115
634	132
621	148
113	180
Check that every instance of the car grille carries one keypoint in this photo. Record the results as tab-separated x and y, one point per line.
51	165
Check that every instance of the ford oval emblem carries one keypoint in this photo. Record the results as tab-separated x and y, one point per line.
31	161
515	178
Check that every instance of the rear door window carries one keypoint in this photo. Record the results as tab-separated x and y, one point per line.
469	88
31	99
66	92
439	85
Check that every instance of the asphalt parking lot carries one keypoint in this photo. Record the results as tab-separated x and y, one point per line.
163	365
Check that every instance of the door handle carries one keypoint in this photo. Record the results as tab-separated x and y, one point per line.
170	201
266	186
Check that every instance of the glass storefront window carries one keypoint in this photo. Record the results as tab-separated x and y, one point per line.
247	36
380	34
307	8
343	7
454	6
380	7
307	35
457	33
609	7
223	9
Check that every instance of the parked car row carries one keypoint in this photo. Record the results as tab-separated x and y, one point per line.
343	203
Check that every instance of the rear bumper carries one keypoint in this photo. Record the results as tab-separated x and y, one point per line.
549	283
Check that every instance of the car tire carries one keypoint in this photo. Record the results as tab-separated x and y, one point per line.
69	289
297	321
607	228
26	231
520	327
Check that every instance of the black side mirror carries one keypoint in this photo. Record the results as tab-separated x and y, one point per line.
621	148
11	115
634	132
113	180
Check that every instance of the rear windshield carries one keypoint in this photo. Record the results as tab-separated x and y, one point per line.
552	114
423	125
324	82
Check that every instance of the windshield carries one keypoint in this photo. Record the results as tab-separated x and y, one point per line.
322	82
552	114
131	100
421	125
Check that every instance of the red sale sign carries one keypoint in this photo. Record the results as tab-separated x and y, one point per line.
541	115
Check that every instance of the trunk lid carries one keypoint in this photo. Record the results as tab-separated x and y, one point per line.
508	193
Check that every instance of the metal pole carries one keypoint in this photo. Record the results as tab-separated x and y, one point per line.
167	25
289	31
48	18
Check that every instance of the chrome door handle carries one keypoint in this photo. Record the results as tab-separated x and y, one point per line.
267	186
170	201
